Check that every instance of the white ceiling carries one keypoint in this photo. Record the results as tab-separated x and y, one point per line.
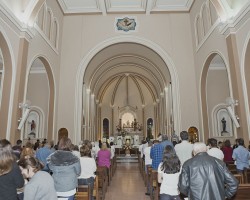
115	6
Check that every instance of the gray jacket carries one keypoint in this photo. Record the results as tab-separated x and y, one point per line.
204	177
66	168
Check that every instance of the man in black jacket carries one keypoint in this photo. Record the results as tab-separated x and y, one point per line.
204	177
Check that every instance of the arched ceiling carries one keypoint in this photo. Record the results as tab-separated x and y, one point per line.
129	66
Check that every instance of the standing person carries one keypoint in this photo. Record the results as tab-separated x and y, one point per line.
156	151
184	149
227	151
66	168
88	168
41	184
168	175
214	150
104	156
204	177
241	156
148	162
10	175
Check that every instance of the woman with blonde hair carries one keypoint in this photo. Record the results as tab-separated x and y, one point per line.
41	184
10	175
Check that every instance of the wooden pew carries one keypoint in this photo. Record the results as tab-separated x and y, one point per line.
246	176
240	178
83	192
232	168
102	181
242	192
95	189
155	184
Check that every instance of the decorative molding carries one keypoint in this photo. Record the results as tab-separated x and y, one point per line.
205	38
94	8
126	6
233	24
17	26
46	38
185	7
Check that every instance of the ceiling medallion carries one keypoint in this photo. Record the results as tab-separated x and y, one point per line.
125	24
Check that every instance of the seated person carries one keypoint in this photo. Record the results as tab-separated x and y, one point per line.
88	168
41	184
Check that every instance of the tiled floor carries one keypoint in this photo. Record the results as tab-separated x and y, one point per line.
127	184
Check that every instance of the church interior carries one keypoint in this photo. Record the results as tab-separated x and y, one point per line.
133	68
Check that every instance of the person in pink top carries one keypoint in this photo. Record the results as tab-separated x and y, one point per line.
104	156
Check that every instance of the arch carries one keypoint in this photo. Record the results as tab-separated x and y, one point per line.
8	85
41	123
32	11
245	70
216	126
203	93
52	89
55	33
115	40
197	28
48	23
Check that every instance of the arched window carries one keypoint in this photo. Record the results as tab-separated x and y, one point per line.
150	128
105	127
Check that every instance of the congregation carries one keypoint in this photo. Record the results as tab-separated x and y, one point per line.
196	171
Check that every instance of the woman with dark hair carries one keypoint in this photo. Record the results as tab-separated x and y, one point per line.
65	168
227	151
88	167
168	175
10	175
41	184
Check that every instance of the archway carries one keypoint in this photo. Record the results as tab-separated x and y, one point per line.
127	39
41	67
245	74
215	89
6	100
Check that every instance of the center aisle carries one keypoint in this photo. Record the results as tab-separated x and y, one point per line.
127	184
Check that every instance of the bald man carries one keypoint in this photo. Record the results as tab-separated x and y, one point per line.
204	177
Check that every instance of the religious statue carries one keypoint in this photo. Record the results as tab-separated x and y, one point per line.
127	148
224	125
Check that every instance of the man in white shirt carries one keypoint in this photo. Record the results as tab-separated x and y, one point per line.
148	161
214	150
184	149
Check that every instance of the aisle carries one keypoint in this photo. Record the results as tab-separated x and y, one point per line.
127	184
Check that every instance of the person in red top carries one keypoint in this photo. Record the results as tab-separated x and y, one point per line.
228	151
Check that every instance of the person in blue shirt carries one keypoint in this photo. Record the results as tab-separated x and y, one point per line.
42	155
241	156
156	152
